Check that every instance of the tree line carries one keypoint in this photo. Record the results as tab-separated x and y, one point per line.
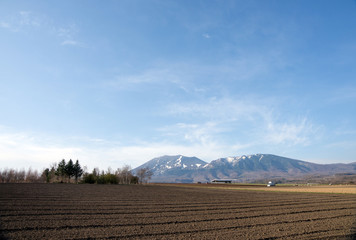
70	172
20	176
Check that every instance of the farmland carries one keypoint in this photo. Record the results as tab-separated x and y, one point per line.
303	188
69	211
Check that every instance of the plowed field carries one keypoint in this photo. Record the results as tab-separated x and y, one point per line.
69	211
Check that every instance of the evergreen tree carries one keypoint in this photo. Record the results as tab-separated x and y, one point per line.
46	174
61	169
78	171
69	169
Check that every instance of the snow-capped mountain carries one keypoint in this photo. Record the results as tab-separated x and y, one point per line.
170	164
262	162
242	168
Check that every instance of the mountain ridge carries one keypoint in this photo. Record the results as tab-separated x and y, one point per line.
245	168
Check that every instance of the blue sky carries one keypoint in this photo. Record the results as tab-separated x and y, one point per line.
120	82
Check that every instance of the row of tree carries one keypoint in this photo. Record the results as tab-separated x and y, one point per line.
72	172
20	176
122	175
65	171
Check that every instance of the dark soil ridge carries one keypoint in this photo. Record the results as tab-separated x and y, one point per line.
168	212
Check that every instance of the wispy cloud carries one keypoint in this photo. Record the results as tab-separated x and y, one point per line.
194	76
29	19
4	24
344	145
39	151
71	43
204	139
202	134
254	121
29	150
68	35
343	94
20	149
224	109
25	21
21	21
159	76
290	133
67	32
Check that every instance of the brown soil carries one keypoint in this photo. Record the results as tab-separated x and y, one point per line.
349	189
68	211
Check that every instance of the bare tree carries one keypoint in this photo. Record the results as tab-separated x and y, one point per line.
144	175
124	175
21	175
11	176
5	178
32	176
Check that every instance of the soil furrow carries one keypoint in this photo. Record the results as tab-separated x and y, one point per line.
69	211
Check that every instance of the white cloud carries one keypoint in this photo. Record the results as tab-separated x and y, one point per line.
293	133
4	24
191	76
224	109
28	19
68	34
20	150
255	121
203	140
24	150
201	134
71	43
25	21
21	21
154	76
206	151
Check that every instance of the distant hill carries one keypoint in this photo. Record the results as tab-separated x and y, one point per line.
246	168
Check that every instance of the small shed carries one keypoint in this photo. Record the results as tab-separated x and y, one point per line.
221	181
271	184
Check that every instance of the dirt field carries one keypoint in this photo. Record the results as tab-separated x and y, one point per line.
351	189
68	211
316	189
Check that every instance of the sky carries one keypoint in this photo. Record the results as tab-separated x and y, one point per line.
121	82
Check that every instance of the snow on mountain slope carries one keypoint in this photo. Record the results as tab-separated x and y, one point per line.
161	165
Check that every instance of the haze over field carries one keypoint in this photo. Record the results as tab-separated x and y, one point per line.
122	82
